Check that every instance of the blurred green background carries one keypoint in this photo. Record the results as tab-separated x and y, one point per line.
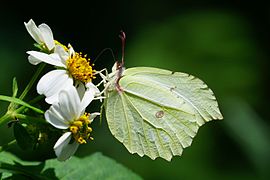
224	43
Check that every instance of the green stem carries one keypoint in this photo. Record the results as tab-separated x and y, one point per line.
26	119
8	116
18	101
33	101
4	119
36	99
6	146
30	84
11	114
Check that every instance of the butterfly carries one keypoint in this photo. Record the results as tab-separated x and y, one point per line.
156	112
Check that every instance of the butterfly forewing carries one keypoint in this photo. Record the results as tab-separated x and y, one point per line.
185	87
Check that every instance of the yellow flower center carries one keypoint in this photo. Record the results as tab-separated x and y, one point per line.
80	68
80	129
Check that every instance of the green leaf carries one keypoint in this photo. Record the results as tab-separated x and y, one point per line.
11	165
157	112
18	170
14	87
96	166
23	138
18	101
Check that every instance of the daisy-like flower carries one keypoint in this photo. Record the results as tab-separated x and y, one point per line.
42	35
73	69
69	114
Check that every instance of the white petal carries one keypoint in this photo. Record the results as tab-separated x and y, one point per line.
66	110
52	59
47	35
33	60
62	53
69	102
71	50
52	83
93	115
64	139
80	89
91	91
92	87
34	31
55	117
63	149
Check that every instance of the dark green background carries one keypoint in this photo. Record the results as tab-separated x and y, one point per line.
224	43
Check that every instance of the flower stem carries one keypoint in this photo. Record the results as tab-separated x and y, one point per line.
36	99
26	119
34	78
4	119
6	146
33	101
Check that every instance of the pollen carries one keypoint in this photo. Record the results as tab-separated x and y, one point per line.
73	129
81	140
81	130
80	68
78	123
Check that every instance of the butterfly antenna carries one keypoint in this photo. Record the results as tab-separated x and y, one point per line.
122	36
102	52
120	65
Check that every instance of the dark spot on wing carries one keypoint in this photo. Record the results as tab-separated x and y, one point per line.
159	114
172	88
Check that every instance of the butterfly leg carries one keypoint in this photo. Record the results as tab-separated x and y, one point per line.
104	77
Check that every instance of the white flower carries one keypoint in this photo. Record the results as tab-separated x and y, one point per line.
74	69
69	114
42	34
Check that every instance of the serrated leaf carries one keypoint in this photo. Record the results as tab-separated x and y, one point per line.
96	166
156	112
22	137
